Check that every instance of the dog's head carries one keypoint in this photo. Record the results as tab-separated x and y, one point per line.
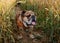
28	18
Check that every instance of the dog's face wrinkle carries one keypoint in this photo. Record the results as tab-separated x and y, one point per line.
28	16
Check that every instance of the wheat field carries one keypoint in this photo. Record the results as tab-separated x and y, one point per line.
48	19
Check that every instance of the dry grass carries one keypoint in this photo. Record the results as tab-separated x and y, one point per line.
48	12
54	5
6	4
5	23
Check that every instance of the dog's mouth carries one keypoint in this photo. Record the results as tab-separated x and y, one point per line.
33	23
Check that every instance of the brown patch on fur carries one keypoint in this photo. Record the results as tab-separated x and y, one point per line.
19	23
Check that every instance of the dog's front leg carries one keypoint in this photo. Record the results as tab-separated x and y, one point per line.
20	33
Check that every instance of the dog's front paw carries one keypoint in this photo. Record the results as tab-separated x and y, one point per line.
31	36
20	37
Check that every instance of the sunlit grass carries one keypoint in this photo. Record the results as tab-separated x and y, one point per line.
5	23
7	13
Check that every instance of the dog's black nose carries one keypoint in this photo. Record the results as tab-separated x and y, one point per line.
33	19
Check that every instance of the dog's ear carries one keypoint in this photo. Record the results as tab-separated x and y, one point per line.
23	12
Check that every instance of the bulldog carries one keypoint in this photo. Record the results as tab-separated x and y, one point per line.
26	20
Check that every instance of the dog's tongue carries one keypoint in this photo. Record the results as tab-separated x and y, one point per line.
33	23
